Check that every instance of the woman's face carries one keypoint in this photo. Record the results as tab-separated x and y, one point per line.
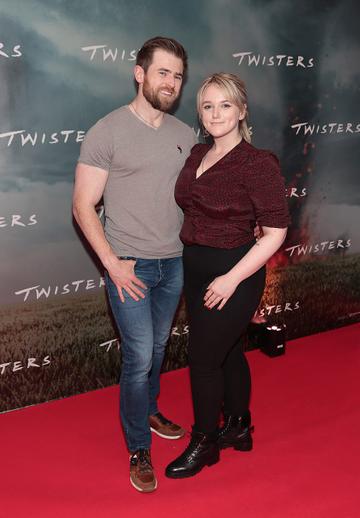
219	115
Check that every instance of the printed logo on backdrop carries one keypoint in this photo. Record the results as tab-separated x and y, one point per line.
111	344
275	309
330	128
29	363
34	138
349	315
13	52
105	53
278	60
39	292
295	192
181	330
17	221
339	245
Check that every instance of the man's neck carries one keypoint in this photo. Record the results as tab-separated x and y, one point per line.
143	109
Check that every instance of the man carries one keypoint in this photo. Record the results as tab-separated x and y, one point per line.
132	158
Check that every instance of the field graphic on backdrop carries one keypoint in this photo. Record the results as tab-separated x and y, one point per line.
64	66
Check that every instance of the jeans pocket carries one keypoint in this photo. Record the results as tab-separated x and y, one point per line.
147	271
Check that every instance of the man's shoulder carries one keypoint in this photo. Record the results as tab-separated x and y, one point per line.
101	135
115	117
110	124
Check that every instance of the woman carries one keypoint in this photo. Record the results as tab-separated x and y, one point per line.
223	189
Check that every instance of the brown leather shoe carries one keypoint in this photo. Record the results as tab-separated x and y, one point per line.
142	475
165	428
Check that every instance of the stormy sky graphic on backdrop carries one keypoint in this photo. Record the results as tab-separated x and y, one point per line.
55	86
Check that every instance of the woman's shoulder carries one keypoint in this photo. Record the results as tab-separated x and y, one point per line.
261	157
199	149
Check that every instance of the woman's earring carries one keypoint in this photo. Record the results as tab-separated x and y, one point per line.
204	132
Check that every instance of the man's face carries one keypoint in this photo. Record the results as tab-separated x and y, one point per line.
162	81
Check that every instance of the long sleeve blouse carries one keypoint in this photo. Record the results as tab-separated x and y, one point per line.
222	206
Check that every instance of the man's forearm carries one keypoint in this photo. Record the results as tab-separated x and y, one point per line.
92	229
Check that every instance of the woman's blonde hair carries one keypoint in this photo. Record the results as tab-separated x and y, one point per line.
235	91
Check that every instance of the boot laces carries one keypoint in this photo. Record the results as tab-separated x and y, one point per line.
142	458
192	447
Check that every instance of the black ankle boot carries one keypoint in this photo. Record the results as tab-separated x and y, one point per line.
203	450
236	433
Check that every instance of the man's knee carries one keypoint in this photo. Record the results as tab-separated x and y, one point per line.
136	371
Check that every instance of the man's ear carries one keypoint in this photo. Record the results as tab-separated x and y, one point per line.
139	74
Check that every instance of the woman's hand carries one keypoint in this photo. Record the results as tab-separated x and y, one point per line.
219	291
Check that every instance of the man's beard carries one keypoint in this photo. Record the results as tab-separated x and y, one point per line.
152	96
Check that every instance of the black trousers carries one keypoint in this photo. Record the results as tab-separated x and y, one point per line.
219	371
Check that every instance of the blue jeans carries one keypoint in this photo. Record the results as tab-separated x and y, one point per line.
144	327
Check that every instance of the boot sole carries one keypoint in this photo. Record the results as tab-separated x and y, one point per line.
187	475
143	489
163	436
237	447
243	443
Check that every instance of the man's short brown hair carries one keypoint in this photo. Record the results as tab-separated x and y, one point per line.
145	54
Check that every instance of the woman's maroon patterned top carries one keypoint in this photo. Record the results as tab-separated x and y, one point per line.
223	204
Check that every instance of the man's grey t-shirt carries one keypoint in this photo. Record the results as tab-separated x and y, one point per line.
141	215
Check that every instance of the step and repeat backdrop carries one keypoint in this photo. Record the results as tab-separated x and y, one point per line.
65	64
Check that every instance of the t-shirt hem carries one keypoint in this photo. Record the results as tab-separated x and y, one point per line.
148	256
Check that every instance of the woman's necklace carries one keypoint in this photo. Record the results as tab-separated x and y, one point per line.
201	167
132	108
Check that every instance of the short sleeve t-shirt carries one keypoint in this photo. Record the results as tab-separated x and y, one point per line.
142	218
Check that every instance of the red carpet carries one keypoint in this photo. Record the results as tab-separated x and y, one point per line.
67	458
